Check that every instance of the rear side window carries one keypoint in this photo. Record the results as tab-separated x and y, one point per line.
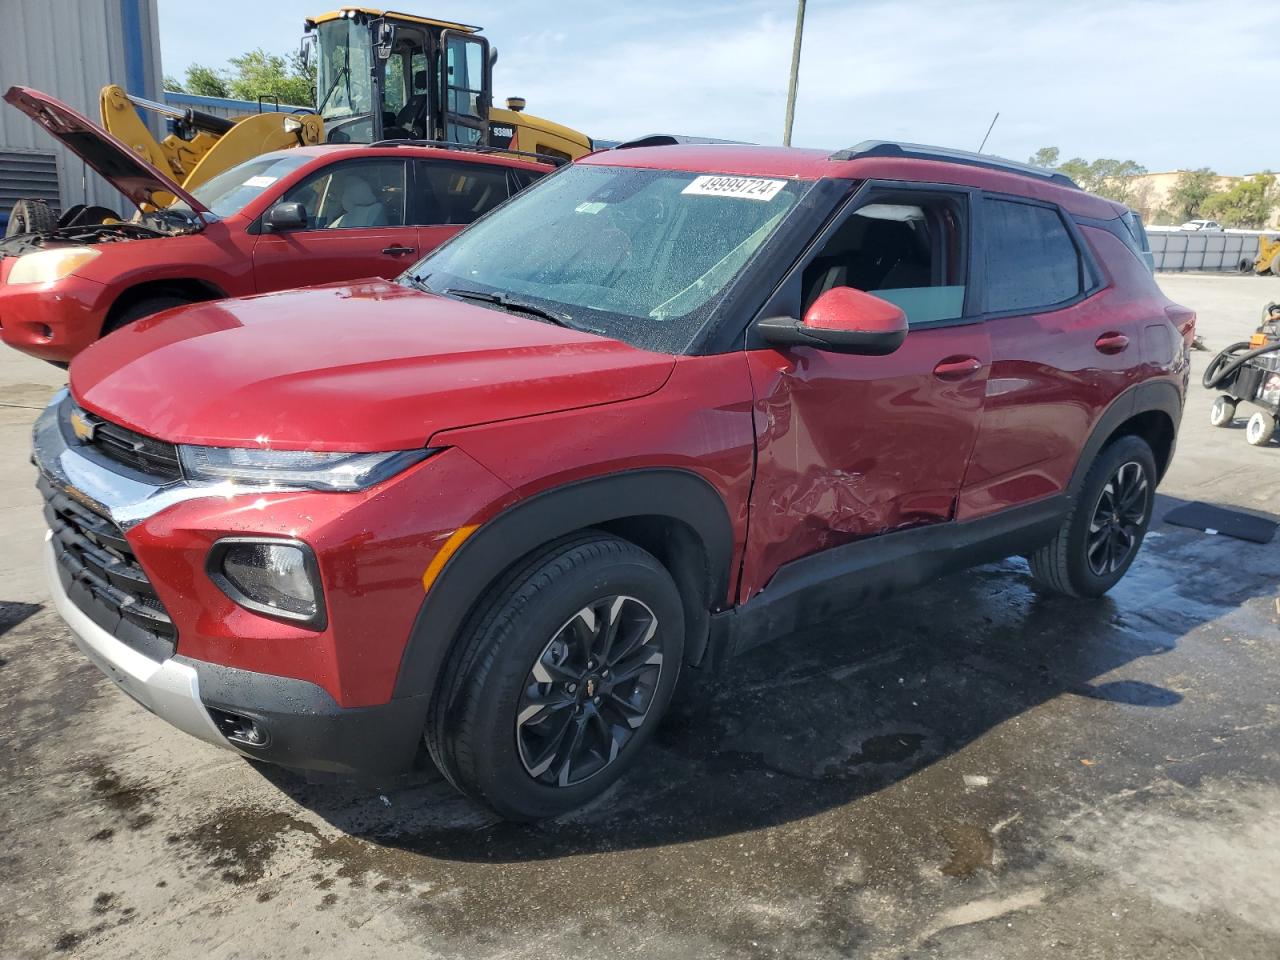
1031	259
458	192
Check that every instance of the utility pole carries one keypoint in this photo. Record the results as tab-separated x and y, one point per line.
795	74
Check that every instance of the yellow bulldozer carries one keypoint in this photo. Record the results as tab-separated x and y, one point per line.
380	75
1268	258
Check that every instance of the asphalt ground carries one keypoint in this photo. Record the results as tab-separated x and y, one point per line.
972	770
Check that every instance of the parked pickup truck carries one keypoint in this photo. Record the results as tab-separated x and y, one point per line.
668	404
289	218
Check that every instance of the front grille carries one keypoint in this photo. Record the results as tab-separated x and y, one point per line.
136	450
103	578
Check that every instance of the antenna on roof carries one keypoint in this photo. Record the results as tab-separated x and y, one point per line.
989	129
795	75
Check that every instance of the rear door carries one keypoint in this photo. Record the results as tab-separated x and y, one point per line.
1060	352
449	194
356	227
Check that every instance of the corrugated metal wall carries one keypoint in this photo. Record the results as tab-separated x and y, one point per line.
71	49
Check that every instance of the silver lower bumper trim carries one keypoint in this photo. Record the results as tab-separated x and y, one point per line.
170	690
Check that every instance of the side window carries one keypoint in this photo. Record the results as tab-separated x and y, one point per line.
524	178
1031	260
457	192
906	248
363	193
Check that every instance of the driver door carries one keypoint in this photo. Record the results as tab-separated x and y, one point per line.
356	228
467	84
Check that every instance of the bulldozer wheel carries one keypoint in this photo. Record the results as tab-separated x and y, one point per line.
1275	266
30	216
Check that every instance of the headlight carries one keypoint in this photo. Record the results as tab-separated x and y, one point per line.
45	266
295	468
278	578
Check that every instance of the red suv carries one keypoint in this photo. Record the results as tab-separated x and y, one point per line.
285	219
668	404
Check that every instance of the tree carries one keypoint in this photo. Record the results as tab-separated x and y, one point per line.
260	74
173	85
1246	204
205	82
1044	157
1190	191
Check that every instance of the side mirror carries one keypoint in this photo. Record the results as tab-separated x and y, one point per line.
842	320
386	39
286	216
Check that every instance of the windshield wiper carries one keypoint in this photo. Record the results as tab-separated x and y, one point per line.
514	305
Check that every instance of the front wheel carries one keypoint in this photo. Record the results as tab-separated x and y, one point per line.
1101	535
1260	429
559	678
1223	412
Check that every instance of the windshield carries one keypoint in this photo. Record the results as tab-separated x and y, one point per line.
342	74
229	192
642	256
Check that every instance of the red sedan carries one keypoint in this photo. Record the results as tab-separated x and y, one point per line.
285	219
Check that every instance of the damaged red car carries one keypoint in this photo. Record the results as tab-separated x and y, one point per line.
284	219
668	404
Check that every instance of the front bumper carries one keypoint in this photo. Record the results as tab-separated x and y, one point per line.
302	727
53	321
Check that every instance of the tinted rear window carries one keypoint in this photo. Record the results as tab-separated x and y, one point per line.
1031	260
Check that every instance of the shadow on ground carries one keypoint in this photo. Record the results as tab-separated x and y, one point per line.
818	720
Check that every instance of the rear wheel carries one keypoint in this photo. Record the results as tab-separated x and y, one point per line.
559	678
30	216
1260	429
1223	412
143	308
1100	537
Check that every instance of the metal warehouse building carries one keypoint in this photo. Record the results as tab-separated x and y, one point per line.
70	49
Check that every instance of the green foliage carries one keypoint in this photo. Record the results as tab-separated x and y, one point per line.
1106	177
250	76
1044	157
205	82
1190	191
260	74
1247	204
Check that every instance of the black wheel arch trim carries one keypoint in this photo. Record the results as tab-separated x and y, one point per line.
1160	396
543	518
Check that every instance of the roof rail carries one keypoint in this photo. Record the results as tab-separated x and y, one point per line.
920	151
473	147
668	140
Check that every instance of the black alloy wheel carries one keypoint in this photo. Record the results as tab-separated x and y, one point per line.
1119	518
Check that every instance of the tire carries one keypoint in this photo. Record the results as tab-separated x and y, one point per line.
1260	429
1078	562
1275	266
143	308
1223	412
30	216
520	674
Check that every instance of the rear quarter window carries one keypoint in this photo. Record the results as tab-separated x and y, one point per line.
1030	258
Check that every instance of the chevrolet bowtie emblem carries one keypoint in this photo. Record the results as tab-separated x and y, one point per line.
82	426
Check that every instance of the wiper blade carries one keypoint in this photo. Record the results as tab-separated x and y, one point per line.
514	305
417	282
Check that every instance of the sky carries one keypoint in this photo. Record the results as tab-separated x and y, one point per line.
1173	85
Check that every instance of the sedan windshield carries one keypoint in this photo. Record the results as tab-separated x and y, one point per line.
643	256
228	192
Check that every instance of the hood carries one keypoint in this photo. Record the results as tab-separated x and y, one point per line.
368	366
112	159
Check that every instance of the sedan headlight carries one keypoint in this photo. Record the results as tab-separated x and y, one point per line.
295	468
45	266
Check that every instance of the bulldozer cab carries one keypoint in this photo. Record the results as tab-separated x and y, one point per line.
393	76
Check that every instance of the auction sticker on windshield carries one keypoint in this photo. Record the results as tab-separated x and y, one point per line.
746	188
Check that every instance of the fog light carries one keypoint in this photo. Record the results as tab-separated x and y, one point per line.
277	578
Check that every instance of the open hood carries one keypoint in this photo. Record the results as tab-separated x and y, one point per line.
113	160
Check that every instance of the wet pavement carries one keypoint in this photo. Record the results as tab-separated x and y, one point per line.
971	770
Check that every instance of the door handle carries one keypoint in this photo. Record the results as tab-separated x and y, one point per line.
395	250
957	368
1111	342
